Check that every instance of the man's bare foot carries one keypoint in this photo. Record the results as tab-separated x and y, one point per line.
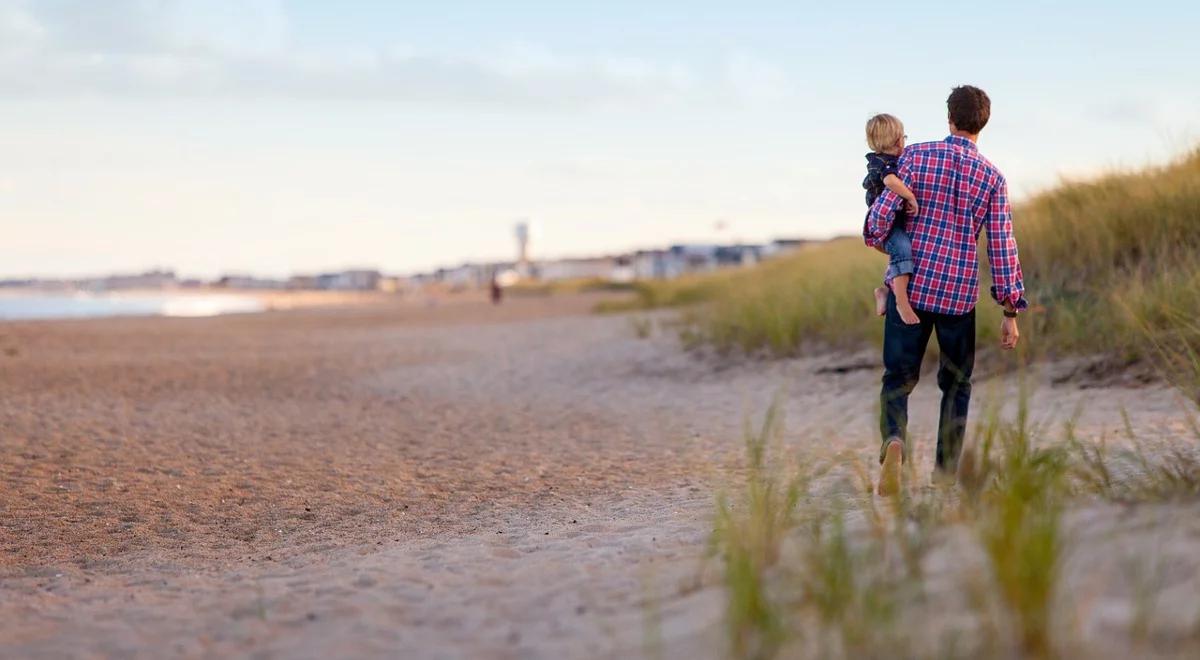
907	314
881	300
889	474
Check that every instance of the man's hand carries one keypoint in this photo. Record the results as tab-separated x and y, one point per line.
1009	334
910	205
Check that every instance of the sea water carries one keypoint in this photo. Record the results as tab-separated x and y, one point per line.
23	306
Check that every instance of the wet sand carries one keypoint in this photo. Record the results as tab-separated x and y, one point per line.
449	480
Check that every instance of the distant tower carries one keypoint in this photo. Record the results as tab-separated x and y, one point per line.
522	232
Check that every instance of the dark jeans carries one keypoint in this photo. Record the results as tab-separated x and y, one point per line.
903	350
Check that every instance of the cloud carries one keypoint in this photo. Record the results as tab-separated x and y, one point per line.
756	79
1126	110
244	49
158	26
18	28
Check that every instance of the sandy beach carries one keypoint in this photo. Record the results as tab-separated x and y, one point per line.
438	480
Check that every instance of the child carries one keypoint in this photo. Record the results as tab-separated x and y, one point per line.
885	137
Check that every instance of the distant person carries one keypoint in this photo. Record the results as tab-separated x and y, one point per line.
497	291
959	194
885	137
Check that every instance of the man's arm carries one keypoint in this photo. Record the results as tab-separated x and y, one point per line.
1008	286
880	218
883	211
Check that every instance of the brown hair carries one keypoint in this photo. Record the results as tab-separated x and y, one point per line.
969	108
884	132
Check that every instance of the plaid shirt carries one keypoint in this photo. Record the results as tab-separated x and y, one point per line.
959	193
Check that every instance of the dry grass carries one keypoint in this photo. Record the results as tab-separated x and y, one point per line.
749	534
565	287
971	571
1106	262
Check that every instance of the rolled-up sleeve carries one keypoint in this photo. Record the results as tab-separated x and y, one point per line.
1007	281
879	220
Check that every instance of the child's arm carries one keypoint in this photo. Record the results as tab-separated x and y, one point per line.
897	186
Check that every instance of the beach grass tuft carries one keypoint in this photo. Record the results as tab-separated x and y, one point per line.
748	535
1018	517
975	570
642	326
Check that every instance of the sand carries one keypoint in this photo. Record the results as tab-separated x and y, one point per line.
410	479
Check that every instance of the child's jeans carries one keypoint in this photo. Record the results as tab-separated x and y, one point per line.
899	249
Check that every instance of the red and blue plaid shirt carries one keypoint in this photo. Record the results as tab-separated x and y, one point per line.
959	193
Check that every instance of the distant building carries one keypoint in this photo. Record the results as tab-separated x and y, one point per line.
693	258
465	276
152	279
783	246
19	284
302	282
659	264
349	280
738	255
575	269
249	282
671	262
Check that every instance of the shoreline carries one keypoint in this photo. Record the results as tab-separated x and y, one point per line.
201	302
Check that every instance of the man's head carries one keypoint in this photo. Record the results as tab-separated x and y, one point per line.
969	109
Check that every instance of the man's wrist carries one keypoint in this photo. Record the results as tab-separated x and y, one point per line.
1010	313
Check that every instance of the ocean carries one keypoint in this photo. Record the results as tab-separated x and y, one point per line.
40	305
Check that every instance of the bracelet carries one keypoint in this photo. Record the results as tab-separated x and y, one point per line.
1010	314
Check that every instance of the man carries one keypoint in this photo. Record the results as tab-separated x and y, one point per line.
960	194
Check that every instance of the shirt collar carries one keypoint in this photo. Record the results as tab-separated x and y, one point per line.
962	142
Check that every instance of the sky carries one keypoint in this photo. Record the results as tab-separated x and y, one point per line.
283	136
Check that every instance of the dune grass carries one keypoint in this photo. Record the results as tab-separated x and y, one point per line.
678	292
812	570
749	534
1019	525
1106	262
535	288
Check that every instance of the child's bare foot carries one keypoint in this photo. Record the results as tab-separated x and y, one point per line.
907	314
881	300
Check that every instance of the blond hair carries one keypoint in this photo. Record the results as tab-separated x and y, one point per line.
884	131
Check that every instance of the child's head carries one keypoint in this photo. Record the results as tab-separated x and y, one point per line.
885	134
